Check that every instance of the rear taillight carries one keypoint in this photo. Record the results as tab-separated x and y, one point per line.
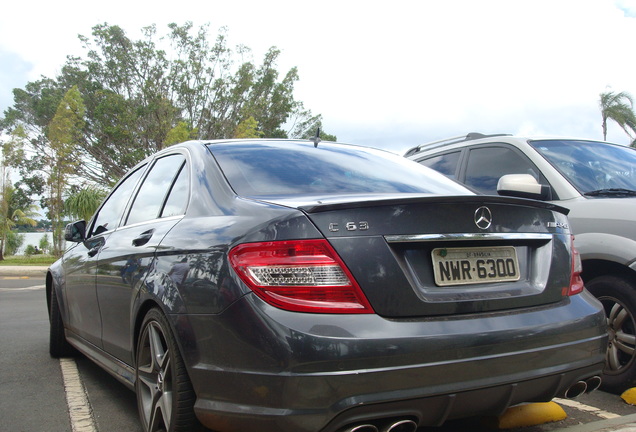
299	275
576	282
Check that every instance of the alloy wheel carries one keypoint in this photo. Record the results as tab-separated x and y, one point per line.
622	336
155	376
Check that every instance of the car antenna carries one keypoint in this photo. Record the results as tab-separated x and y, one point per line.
316	139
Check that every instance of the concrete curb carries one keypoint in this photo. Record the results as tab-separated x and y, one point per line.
23	271
620	424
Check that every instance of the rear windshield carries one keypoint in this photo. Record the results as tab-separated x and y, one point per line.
260	169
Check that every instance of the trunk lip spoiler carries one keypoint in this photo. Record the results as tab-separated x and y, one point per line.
320	207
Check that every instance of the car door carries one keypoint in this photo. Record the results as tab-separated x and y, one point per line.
80	263
127	256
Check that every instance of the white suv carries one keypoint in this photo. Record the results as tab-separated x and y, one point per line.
597	182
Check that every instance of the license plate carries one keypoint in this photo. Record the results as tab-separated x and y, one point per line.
462	266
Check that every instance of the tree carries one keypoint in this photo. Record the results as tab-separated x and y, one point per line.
139	99
180	133
45	245
10	216
618	107
126	99
248	128
12	242
61	158
84	203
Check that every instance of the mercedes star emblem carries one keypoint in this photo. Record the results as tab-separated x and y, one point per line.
483	218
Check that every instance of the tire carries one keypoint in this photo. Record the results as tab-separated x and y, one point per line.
618	297
58	345
165	397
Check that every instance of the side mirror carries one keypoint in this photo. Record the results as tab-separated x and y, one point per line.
75	232
523	186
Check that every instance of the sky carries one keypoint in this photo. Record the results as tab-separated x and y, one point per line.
387	74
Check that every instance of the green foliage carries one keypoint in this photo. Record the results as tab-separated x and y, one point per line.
44	244
180	133
10	215
619	108
84	203
30	250
17	260
248	128
310	129
125	99
138	99
64	133
13	241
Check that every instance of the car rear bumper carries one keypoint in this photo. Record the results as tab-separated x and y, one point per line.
271	368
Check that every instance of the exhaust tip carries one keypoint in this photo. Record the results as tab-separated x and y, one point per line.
362	428
576	390
401	426
593	383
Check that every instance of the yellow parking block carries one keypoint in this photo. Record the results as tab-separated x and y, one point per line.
531	414
629	396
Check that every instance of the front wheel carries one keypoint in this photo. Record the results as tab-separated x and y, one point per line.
618	297
165	397
58	345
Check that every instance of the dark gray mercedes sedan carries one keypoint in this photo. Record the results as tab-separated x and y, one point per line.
297	286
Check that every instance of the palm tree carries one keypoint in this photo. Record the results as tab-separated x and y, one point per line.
11	216
84	203
618	107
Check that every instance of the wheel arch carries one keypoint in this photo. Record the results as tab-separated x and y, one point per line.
593	268
142	311
139	319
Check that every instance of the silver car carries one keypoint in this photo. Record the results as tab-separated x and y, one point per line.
596	181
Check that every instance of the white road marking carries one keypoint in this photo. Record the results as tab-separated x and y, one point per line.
79	407
587	408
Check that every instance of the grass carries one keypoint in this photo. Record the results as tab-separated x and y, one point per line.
25	260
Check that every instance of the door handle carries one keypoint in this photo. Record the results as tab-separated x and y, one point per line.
143	238
92	252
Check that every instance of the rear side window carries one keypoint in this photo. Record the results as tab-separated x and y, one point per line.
486	165
446	163
178	197
295	168
154	190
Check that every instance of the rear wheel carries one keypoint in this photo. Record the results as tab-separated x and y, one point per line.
165	397
58	345
618	297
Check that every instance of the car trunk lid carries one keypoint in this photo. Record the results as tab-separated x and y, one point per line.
425	256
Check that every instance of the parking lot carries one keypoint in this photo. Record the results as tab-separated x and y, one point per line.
36	395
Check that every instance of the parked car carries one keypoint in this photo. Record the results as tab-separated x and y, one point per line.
274	285
596	181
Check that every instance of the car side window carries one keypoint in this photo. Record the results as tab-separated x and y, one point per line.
154	190
486	165
111	212
178	197
446	163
